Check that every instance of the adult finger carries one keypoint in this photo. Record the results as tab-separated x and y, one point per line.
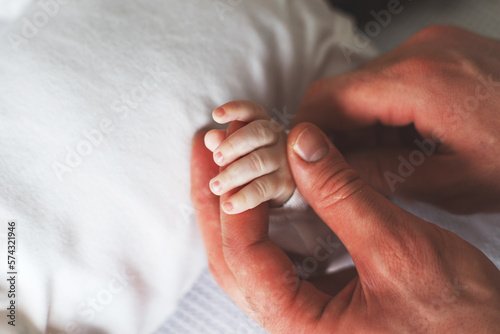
401	87
267	279
206	206
364	220
357	100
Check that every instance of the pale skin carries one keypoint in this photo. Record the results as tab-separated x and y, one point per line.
412	276
254	156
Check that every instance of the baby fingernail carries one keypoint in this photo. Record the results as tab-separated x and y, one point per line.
219	112
218	158
310	145
227	207
215	186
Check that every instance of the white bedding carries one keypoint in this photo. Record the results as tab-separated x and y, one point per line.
12	9
99	101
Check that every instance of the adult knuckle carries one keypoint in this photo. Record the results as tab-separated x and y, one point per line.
336	184
431	31
229	245
437	32
421	65
425	64
429	51
232	247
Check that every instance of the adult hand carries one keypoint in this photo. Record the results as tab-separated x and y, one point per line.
412	275
445	81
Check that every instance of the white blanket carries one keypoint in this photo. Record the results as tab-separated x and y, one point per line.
12	9
99	101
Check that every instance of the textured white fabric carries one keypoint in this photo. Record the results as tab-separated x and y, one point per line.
207	309
99	101
12	9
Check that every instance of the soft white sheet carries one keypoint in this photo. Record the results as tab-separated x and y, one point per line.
12	9
98	104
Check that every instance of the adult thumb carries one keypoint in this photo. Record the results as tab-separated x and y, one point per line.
361	217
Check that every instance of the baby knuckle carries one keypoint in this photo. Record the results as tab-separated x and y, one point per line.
263	133
261	188
257	163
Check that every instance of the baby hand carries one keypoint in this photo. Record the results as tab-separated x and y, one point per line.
254	155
